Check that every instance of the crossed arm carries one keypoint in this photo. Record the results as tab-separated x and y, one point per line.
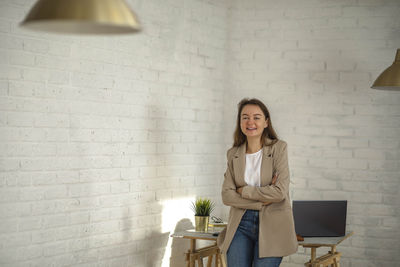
239	190
251	197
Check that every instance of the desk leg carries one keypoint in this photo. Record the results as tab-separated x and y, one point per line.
192	245
192	261
216	256
223	260
200	261
313	254
209	261
192	249
335	260
217	259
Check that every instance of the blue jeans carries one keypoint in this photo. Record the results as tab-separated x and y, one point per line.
243	251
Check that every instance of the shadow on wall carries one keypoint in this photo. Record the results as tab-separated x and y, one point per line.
156	244
179	246
148	241
141	235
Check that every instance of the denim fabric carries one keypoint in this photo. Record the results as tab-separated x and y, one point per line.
243	250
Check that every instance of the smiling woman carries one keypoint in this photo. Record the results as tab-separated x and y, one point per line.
253	122
253	111
260	229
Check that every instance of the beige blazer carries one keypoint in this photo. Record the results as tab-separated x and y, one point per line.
277	235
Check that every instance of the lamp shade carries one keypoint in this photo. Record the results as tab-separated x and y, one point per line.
82	17
389	78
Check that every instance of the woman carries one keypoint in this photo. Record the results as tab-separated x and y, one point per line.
256	186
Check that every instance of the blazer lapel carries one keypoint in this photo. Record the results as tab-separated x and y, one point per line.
239	164
266	166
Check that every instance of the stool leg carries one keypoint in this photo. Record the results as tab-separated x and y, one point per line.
223	260
200	261
188	259
337	263
192	261
313	254
209	260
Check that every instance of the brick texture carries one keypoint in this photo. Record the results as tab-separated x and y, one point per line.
105	140
313	63
99	133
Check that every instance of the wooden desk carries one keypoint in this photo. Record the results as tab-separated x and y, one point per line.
197	254
331	258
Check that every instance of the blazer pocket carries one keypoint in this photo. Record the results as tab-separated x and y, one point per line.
279	207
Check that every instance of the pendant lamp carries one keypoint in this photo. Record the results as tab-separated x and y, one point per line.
82	17
389	78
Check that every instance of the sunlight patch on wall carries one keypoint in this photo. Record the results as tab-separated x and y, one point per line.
176	216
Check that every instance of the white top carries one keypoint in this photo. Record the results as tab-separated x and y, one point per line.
253	168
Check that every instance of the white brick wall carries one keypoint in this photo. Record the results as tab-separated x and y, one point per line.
105	140
98	133
312	62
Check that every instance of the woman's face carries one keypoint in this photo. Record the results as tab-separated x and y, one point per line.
252	121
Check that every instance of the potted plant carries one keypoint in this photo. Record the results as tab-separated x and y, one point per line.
202	209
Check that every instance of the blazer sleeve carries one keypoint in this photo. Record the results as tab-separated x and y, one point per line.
277	192
229	195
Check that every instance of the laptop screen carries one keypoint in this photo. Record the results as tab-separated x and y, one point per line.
317	218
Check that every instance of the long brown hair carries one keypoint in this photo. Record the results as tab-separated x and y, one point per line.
239	138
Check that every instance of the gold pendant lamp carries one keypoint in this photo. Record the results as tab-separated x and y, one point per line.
389	78
82	17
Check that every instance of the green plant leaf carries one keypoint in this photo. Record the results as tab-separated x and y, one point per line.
202	207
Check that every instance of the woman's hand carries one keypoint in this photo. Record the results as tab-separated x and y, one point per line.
274	179
239	190
273	182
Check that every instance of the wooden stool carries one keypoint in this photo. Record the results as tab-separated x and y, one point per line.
327	260
196	255
200	254
330	259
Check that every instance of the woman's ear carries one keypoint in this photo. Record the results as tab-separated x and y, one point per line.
266	123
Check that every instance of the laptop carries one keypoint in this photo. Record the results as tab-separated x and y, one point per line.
320	218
